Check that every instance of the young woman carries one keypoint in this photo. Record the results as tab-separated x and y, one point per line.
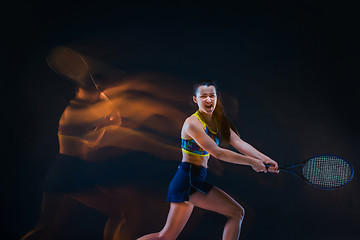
200	137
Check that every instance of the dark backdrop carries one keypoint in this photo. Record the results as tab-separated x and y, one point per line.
292	67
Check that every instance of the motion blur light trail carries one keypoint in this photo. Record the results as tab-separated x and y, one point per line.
130	118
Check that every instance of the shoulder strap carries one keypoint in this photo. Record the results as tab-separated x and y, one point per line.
197	114
200	118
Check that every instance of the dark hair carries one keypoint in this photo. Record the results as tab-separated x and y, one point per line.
224	123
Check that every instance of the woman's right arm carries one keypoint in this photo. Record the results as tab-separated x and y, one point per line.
196	132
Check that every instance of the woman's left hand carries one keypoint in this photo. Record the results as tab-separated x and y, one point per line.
273	165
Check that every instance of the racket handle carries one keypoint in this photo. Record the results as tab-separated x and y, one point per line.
268	165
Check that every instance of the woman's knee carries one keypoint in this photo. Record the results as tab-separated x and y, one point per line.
237	212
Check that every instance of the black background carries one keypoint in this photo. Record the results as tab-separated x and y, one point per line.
293	66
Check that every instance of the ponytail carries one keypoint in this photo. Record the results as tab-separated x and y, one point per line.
224	124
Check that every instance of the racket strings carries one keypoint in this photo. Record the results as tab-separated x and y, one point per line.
327	171
70	64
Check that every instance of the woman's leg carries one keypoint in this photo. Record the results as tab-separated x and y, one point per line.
178	216
219	201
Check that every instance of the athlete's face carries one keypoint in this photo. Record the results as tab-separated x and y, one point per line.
206	99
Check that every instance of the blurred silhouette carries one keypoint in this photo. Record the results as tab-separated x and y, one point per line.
117	131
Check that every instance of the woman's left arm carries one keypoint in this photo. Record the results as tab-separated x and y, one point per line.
250	151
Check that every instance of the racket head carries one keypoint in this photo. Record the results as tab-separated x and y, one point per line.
71	65
327	172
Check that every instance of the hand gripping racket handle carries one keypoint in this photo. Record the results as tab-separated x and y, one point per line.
269	165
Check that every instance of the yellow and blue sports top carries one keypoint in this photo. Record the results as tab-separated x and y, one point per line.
192	148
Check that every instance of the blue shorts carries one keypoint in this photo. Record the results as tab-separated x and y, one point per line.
188	179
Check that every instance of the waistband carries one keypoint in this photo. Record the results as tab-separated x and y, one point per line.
194	168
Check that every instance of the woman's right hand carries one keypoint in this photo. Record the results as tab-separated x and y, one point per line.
258	165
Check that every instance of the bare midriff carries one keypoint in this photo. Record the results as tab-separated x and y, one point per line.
196	160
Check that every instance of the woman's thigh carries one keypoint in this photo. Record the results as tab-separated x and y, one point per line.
217	201
178	216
